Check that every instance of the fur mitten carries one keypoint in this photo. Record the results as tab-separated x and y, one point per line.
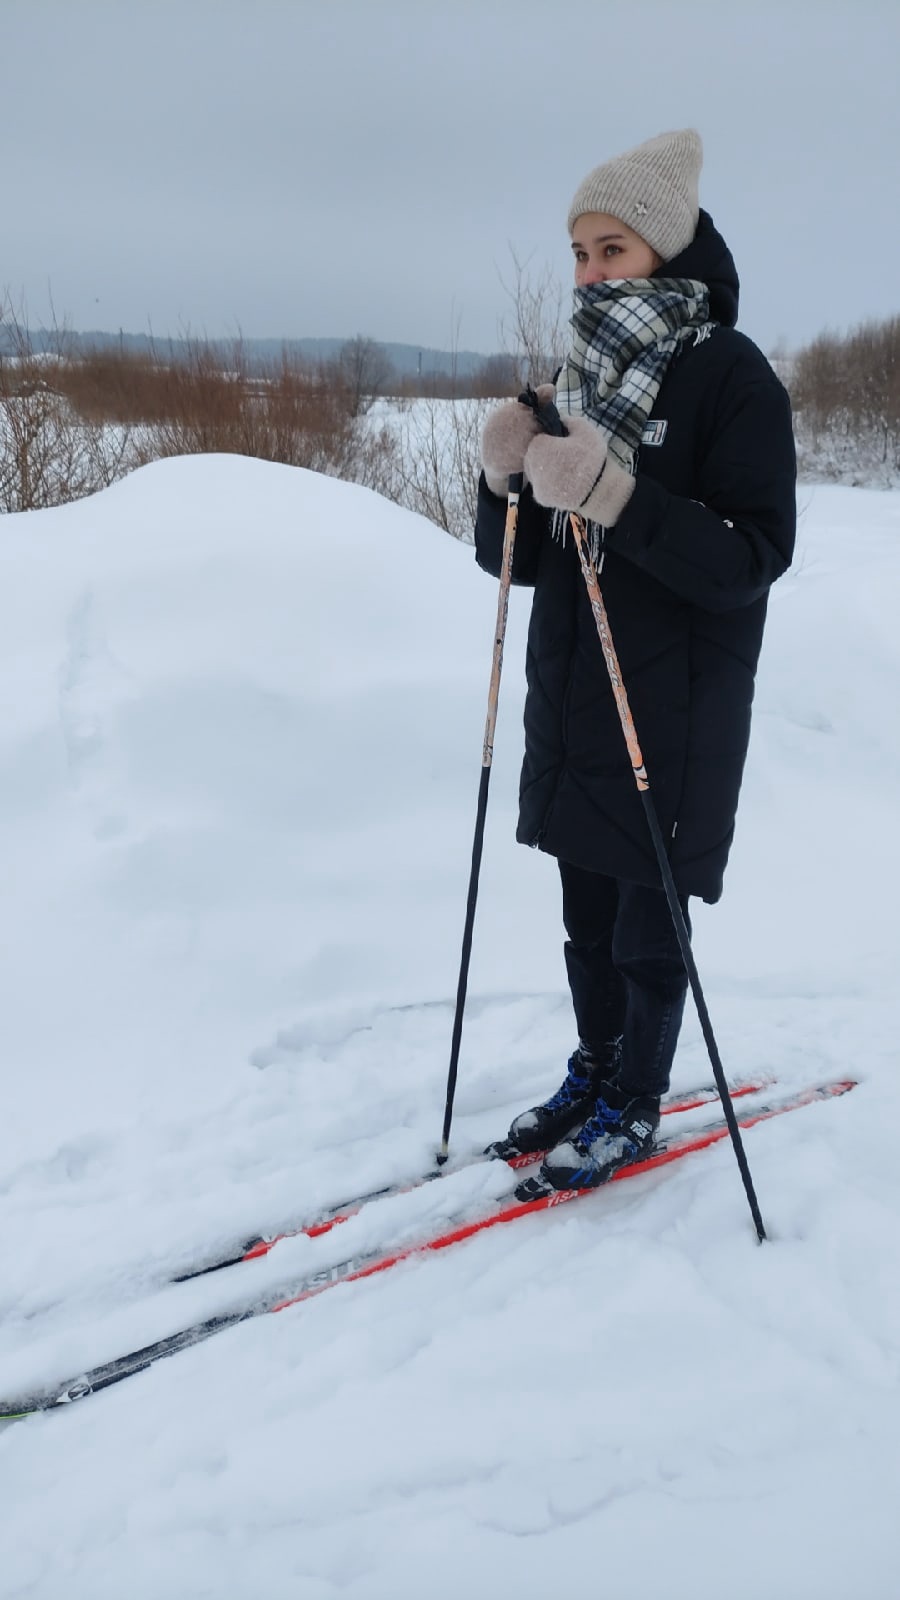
507	434
576	473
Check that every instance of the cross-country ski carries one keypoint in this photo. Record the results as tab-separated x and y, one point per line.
529	1197
504	1150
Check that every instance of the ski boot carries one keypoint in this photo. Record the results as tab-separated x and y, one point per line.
543	1126
620	1131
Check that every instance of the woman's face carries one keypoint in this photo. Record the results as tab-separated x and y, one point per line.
606	248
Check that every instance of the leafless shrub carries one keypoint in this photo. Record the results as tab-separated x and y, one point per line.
439	460
535	329
497	378
213	401
113	386
48	452
365	371
846	397
440	439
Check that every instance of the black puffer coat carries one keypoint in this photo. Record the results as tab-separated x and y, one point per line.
685	579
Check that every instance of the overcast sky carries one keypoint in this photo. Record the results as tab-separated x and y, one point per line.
329	167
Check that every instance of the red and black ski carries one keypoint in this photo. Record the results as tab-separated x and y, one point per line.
682	1144
324	1221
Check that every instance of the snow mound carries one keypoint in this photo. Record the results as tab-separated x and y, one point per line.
240	742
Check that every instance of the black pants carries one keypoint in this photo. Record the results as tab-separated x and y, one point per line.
625	972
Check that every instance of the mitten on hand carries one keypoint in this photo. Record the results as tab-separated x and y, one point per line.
576	473
507	434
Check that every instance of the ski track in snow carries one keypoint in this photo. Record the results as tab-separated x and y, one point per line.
237	798
90	685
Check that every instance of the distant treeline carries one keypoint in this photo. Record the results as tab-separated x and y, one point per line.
404	360
75	415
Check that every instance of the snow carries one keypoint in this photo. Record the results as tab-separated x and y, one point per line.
240	737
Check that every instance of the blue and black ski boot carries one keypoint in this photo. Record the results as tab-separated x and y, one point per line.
543	1126
620	1130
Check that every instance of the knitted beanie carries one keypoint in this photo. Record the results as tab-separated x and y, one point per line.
653	189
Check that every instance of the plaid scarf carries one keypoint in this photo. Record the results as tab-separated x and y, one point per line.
626	332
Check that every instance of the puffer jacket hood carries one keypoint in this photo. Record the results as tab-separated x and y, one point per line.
708	259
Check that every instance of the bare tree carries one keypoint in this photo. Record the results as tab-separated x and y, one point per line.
846	397
497	377
48	455
440	460
365	370
535	330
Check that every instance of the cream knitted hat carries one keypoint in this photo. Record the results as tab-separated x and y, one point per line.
652	188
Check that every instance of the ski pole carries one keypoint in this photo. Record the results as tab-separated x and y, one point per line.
551	422
509	540
681	933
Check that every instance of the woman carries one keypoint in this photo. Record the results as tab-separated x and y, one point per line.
679	456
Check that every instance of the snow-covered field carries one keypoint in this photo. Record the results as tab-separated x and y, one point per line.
240	738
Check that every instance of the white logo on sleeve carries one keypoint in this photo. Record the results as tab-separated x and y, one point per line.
654	433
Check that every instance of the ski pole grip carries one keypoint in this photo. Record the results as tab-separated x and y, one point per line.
547	416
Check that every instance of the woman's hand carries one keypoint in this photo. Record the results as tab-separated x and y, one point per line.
507	434
575	473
